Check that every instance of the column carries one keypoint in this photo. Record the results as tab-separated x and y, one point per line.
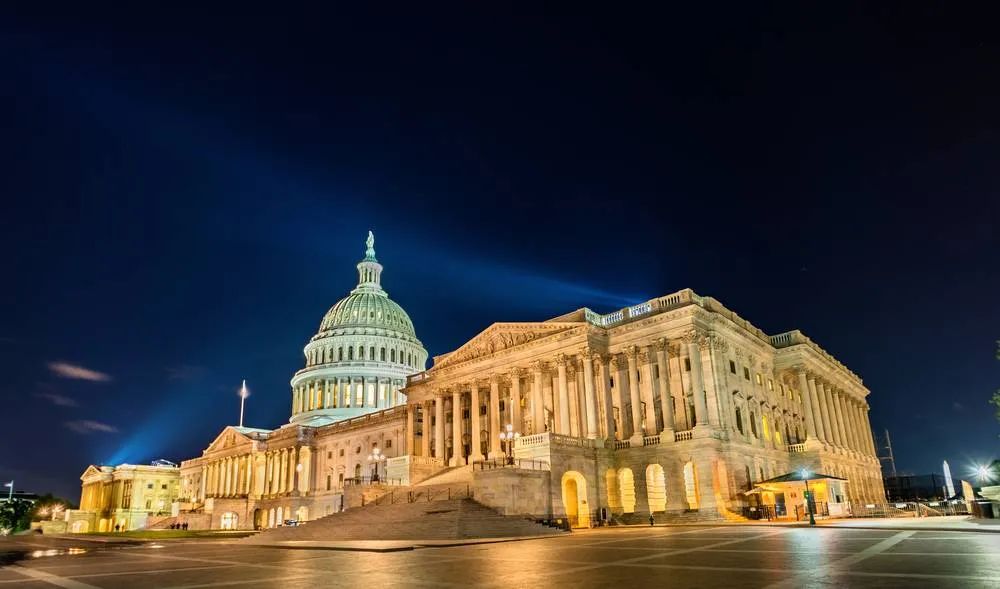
537	402
475	424
620	394
425	433
562	411
823	411
293	462
515	400
204	482
606	397
807	403
494	442
646	387
439	428
666	399
838	415
579	399
844	401
411	409
631	354
456	426
305	459
833	434
590	404
698	380
866	422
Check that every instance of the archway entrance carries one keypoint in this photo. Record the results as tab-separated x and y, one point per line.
656	488
574	496
230	521
626	490
690	486
611	481
303	514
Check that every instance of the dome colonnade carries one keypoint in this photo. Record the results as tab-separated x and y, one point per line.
359	359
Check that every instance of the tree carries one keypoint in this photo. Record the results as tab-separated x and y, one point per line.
15	515
995	401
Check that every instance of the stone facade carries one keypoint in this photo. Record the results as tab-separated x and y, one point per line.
125	497
672	407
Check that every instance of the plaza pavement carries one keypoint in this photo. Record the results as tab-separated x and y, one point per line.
688	556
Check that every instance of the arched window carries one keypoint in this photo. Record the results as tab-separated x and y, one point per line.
392	355
371	353
340	354
382	354
361	352
350	353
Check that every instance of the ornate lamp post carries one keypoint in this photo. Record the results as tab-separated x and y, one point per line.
375	458
805	477
507	438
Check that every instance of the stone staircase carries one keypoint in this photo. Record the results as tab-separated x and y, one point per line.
449	476
456	519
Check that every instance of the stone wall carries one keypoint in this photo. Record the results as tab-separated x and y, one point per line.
513	491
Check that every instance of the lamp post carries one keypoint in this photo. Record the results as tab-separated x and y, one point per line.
375	458
507	438
10	496
805	477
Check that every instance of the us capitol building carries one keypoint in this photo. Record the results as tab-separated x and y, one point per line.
676	407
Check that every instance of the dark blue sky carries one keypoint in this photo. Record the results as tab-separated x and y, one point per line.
186	191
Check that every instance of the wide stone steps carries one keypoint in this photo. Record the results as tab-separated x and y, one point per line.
437	520
449	476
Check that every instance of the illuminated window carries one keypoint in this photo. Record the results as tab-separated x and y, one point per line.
767	427
759	379
770	384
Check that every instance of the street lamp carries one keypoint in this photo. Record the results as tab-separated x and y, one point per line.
375	458
805	477
982	473
507	438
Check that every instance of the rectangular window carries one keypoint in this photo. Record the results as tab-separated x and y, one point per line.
149	485
329	482
770	384
329	455
746	373
656	371
388	443
341	451
466	414
759	379
483	409
687	364
732	367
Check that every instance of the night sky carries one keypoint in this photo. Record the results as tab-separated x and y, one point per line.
186	192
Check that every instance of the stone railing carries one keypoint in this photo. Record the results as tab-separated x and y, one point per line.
650	440
796	337
532	441
683	436
621	444
560	440
796	448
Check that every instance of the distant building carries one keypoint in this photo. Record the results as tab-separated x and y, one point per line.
124	496
923	487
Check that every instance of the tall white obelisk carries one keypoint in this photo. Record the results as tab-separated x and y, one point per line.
948	482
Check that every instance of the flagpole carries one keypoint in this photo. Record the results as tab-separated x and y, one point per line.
243	399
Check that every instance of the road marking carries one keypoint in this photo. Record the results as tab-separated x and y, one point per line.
50	578
838	566
119	573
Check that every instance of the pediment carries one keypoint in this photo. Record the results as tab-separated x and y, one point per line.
229	438
91	471
502	336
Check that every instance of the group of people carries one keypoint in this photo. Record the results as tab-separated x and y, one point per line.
179	526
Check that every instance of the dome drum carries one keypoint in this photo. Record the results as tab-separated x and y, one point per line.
360	358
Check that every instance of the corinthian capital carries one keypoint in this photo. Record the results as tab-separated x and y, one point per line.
560	360
660	344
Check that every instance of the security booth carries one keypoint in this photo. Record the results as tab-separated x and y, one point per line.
784	497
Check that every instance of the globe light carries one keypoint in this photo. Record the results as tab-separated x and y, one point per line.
805	473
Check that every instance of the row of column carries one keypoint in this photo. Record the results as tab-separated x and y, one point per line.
592	398
343	392
835	417
227	477
279	471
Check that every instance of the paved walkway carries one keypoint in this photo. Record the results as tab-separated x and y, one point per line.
773	557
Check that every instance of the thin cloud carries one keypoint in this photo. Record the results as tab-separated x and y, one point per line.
66	370
185	372
60	400
86	426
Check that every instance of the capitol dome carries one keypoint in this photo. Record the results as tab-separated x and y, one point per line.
359	359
